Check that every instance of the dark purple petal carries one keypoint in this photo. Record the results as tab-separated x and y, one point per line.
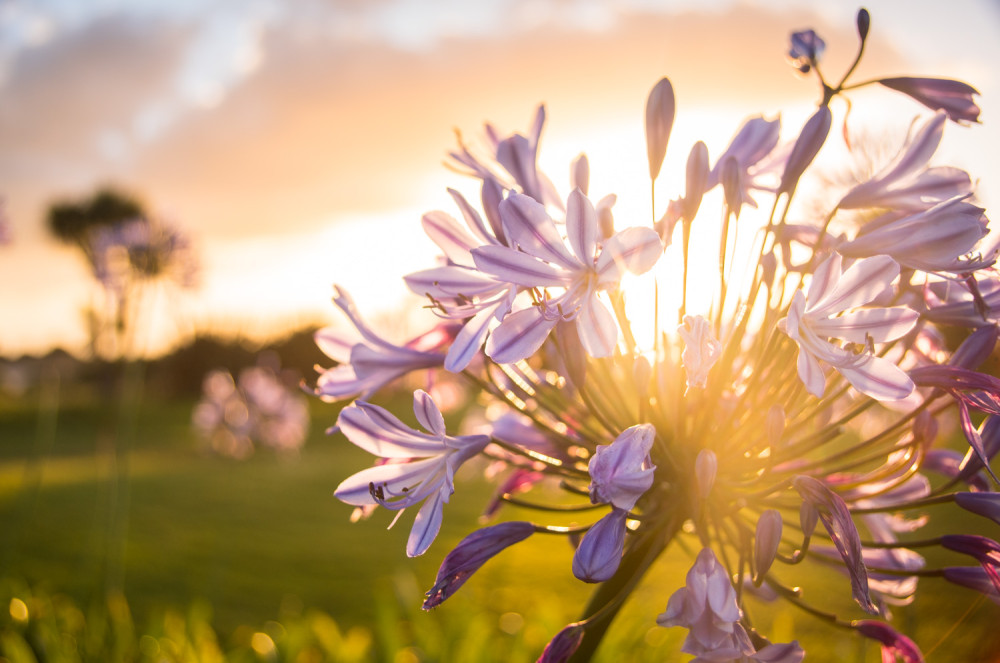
976	349
983	504
973	577
600	552
836	517
985	550
951	96
471	553
564	644
893	641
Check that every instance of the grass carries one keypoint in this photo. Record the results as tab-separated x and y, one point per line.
223	557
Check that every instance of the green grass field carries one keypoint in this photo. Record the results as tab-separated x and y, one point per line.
255	560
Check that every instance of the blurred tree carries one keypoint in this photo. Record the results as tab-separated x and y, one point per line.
72	222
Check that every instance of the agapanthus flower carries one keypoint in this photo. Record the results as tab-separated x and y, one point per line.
142	250
582	270
428	474
826	311
259	408
368	362
801	405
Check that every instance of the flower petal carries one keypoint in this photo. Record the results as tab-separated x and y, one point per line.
519	335
519	268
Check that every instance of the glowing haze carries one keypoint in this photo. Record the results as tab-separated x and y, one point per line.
300	142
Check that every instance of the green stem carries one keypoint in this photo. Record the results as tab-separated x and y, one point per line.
610	596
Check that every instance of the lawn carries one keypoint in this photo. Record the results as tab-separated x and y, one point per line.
237	549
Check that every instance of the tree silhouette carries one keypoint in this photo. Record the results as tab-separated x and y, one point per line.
72	222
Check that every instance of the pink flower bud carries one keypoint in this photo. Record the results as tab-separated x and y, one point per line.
767	540
660	107
775	425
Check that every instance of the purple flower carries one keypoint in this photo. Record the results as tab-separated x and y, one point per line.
893	643
582	270
622	471
933	240
426	473
906	182
257	408
826	312
750	147
706	605
368	363
805	49
952	97
471	553
142	249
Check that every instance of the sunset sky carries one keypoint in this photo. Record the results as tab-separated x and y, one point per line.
299	142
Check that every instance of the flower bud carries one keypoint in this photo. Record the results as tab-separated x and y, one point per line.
864	22
983	504
697	180
976	349
808	517
600	552
731	185
642	372
973	577
605	218
660	107
806	148
579	174
705	467
566	642
470	554
767	540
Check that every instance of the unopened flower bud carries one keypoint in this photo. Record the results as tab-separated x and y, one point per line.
579	174
566	642
972	577
660	107
806	148
731	185
983	504
696	181
600	552
767	540
705	467
492	195
864	23
977	348
925	429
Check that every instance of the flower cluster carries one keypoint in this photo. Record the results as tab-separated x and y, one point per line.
259	407
142	250
792	417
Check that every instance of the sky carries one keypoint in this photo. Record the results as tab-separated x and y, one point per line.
299	142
